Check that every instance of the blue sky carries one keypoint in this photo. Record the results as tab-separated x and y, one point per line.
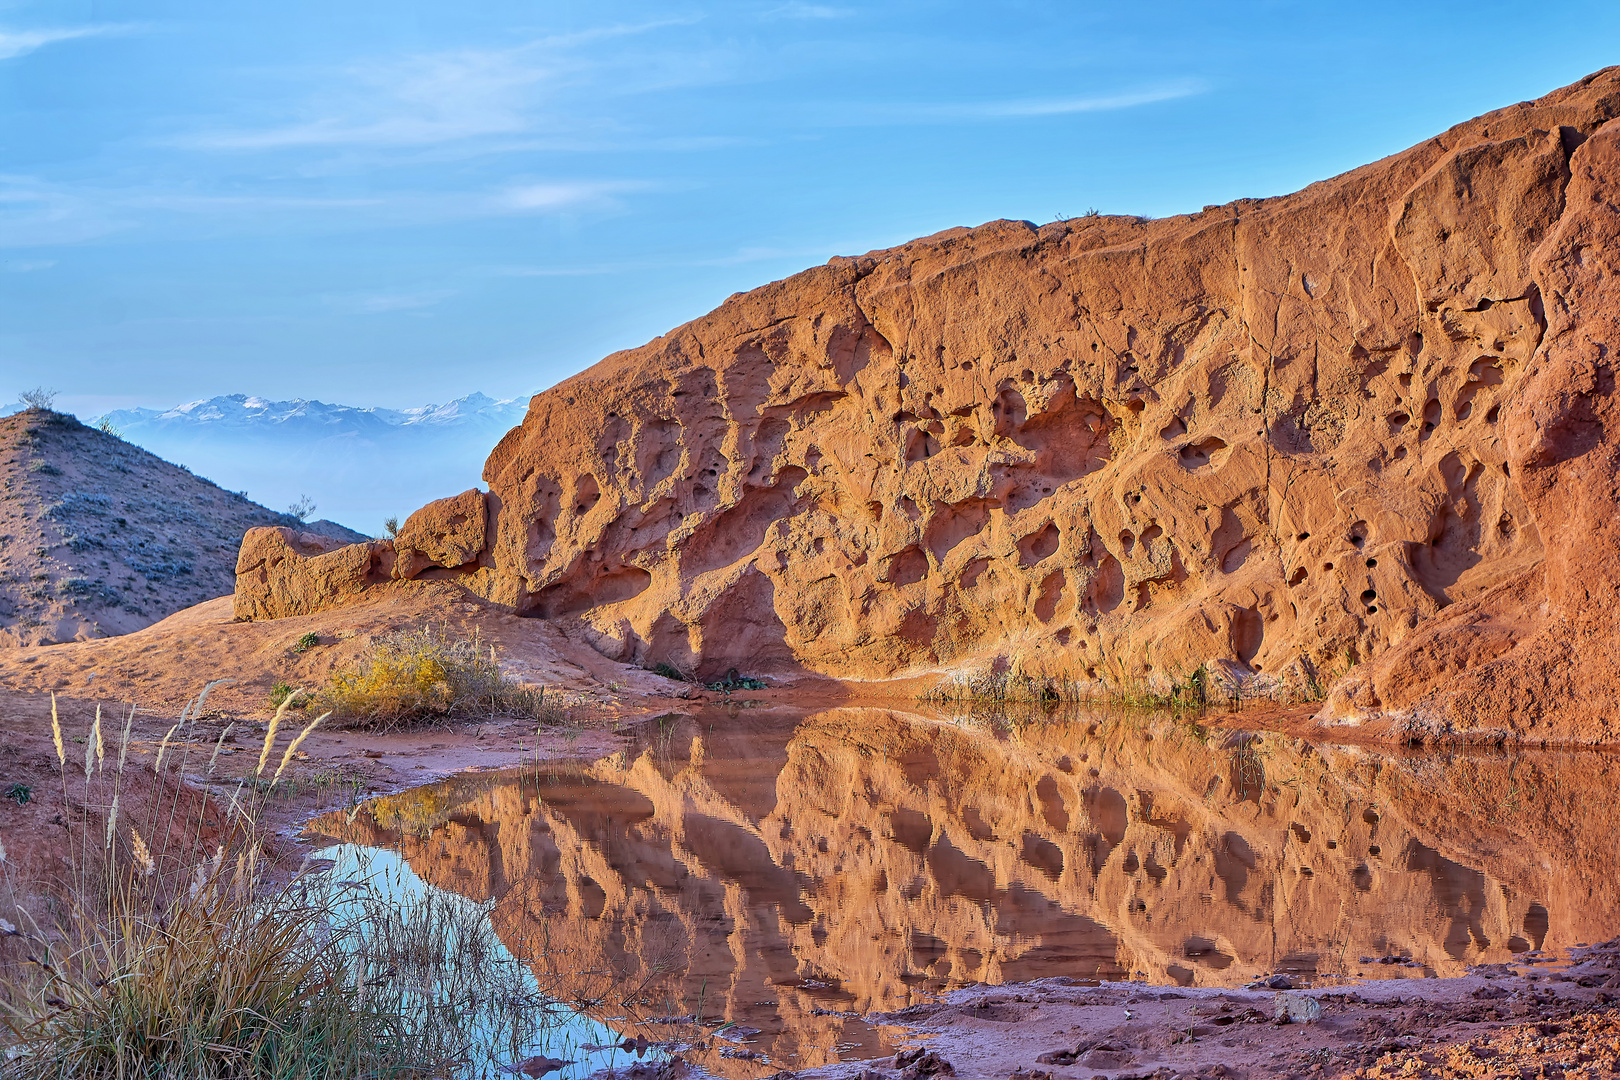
394	203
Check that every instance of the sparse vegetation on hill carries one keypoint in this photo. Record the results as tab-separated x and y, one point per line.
99	537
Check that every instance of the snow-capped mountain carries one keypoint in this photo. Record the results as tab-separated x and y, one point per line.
358	465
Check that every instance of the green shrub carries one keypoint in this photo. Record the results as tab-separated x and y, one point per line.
306	642
280	692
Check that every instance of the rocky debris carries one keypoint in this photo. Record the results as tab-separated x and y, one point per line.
920	1062
1295	1008
1585	1045
100	538
1266	442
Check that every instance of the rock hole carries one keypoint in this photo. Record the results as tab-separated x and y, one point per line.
1175	429
1371	563
1327	566
1400	452
1303	536
967	365
1049	596
1368	595
1370	816
1197	455
1465	410
1372	609
1297	576
1397	422
1127	540
908	567
1431	416
1492	413
1039	545
1504	525
1136	405
1374	849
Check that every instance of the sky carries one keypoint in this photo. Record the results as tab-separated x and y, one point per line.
403	202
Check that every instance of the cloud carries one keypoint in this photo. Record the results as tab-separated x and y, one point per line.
808	11
431	99
1026	107
34	213
385	303
26	266
15	43
529	198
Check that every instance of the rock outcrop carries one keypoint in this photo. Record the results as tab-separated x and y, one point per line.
281	572
1362	424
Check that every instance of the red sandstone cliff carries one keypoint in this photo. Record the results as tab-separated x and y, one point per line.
1366	422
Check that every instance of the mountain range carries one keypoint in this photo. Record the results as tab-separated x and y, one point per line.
356	465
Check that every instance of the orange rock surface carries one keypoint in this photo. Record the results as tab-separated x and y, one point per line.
1279	438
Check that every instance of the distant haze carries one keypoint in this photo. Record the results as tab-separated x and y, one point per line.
359	465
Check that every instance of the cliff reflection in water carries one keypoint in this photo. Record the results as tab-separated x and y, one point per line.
773	864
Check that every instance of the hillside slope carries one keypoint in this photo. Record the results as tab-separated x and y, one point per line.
98	537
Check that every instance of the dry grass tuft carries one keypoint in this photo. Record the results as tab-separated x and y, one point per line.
412	676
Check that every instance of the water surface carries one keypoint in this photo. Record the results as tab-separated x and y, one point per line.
786	871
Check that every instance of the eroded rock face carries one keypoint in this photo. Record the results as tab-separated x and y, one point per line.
1099	448
1364	422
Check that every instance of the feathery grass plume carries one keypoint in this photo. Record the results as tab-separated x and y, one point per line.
123	749
101	748
56	733
2	851
143	856
270	732
217	744
89	756
157	762
112	822
202	697
292	747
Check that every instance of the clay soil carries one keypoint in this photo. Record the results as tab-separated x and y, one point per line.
1496	1022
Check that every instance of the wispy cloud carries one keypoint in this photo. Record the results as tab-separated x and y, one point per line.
35	213
529	198
387	303
808	11
1017	108
26	266
431	99
15	43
